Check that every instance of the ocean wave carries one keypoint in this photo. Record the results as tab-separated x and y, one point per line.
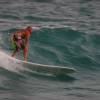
62	46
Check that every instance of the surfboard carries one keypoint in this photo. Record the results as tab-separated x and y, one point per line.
15	64
49	69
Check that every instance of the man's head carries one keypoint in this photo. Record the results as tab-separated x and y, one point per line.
29	28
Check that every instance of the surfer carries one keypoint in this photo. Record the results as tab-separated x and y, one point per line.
20	40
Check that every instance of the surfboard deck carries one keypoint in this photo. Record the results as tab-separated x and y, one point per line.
49	69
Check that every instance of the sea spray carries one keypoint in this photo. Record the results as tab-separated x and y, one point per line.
9	63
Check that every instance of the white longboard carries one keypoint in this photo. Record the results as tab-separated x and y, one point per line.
49	69
13	63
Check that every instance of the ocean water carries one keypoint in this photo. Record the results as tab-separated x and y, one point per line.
65	33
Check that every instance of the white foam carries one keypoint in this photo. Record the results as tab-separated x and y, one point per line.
9	63
36	28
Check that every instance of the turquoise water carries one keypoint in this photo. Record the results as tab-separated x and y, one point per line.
68	35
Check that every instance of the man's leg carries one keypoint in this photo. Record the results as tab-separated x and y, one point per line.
25	53
14	53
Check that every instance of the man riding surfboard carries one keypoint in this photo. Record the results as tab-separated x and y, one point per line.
20	39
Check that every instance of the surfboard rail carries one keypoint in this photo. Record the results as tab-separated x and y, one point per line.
41	68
